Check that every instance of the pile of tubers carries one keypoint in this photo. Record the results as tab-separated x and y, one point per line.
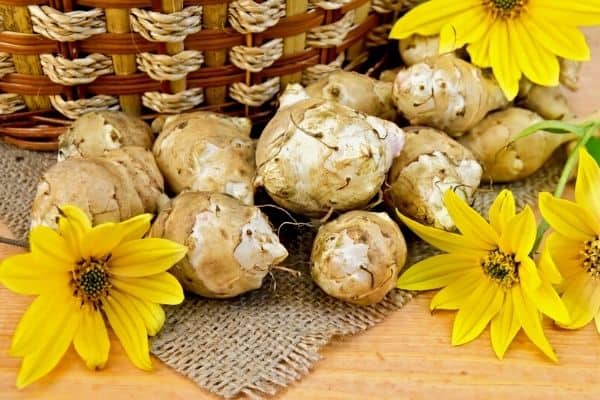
333	151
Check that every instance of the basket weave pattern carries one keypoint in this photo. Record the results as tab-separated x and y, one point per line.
168	56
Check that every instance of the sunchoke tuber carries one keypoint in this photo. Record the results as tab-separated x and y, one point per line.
205	151
96	132
316	155
430	164
357	257
446	93
232	246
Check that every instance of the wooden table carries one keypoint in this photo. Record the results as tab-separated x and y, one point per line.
408	356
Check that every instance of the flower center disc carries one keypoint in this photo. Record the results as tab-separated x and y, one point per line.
591	260
91	281
501	268
505	8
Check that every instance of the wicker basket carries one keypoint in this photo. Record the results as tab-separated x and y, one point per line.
62	58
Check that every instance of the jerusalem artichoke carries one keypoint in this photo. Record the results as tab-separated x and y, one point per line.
446	93
430	164
358	257
232	246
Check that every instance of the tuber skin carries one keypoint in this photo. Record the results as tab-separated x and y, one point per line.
205	151
389	75
446	93
503	159
316	155
430	164
94	133
123	183
232	246
357	257
416	48
569	73
356	91
548	102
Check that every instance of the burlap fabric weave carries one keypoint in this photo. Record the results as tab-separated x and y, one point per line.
263	341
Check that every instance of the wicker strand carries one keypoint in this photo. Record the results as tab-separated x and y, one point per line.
173	103
331	35
389	6
67	27
173	27
329	4
320	71
247	16
379	35
74	109
162	67
6	64
78	71
11	103
255	59
254	95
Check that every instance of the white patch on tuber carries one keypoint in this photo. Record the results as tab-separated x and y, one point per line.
349	256
466	179
203	220
259	247
292	94
240	190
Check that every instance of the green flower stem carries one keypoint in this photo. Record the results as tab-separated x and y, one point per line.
564	178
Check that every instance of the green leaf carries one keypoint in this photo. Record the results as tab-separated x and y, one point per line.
556	127
593	147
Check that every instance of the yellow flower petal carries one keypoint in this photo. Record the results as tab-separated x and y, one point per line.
129	328
51	249
104	238
55	339
587	186
22	273
567	41
144	257
520	233
597	320
537	63
472	318
531	321
445	241
91	339
568	218
504	327
467	27
480	52
161	288
582	300
152	314
528	274
472	225
502	62
453	296
73	226
573	12
548	302
437	271
136	227
502	210
566	254
548	269
43	315
429	18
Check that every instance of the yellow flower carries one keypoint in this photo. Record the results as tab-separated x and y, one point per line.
487	274
514	37
82	275
574	246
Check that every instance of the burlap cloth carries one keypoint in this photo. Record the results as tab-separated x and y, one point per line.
261	342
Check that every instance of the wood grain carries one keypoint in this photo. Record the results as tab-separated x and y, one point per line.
408	356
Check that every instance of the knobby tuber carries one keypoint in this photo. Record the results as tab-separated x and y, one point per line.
232	246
